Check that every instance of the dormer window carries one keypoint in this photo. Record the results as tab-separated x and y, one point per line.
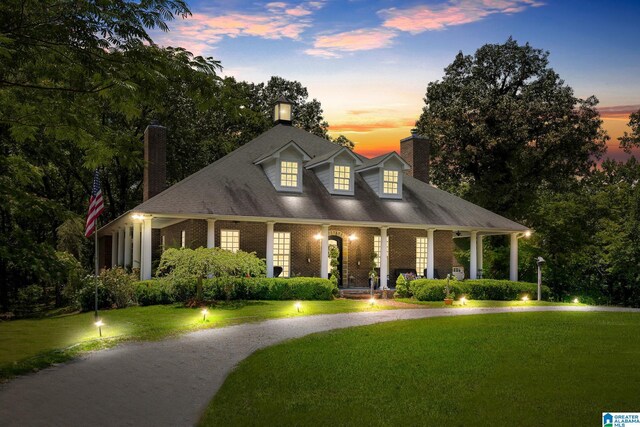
384	175
342	178
289	174
390	181
283	167
335	169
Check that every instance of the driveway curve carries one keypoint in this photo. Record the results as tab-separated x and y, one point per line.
170	382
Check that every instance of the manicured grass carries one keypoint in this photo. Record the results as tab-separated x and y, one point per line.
28	345
499	369
477	303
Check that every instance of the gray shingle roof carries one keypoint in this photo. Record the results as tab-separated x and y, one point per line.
234	185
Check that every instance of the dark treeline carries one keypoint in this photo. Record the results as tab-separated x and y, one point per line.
509	135
79	82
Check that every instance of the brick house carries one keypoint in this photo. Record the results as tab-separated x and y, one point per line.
288	195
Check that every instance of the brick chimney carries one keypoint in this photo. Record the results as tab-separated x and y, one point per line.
415	150
155	160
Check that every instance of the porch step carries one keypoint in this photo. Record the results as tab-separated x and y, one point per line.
364	293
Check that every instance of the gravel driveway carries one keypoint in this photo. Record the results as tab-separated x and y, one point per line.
170	382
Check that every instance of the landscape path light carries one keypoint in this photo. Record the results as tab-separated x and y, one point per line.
525	298
99	324
576	300
298	306
463	300
204	314
372	301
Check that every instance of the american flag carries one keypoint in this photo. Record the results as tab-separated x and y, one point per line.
96	205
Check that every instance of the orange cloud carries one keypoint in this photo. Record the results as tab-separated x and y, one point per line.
618	112
350	41
369	126
422	18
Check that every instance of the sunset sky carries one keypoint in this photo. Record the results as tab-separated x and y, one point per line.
369	62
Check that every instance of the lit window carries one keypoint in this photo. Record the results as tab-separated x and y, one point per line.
288	174
230	240
183	239
282	251
341	177
377	248
390	182
421	254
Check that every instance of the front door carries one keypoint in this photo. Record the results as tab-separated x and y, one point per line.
336	242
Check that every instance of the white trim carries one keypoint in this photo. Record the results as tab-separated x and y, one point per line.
312	221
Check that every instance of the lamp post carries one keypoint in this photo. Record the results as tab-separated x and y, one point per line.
540	261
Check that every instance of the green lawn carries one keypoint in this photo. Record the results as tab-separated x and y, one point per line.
27	345
477	303
500	369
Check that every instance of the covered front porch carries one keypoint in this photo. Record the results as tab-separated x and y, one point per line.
301	248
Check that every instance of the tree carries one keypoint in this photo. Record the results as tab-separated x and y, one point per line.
306	114
345	142
632	140
504	125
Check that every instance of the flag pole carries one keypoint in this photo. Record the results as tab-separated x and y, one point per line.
97	265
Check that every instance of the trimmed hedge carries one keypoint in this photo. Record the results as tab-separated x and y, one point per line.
481	289
167	291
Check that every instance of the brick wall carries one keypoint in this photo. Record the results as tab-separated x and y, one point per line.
305	249
415	150
155	154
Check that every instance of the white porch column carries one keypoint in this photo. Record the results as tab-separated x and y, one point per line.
430	253
384	258
127	246
211	233
473	255
121	246
114	249
324	253
270	249
136	245
145	269
480	250
513	259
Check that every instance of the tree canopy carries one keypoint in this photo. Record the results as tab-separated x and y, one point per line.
503	125
79	83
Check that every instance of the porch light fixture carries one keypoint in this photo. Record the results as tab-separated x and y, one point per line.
353	237
137	217
318	236
99	324
204	314
282	111
298	306
525	298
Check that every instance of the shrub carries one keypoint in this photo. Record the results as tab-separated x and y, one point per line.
115	289
402	287
261	288
504	290
435	289
154	292
208	262
482	289
85	297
